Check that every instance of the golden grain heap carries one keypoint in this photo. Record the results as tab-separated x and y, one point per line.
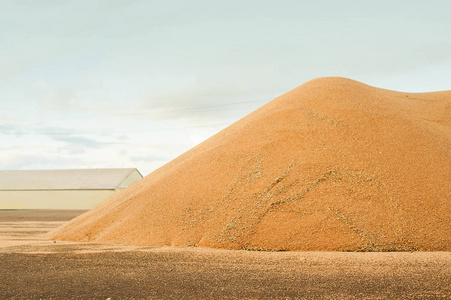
331	165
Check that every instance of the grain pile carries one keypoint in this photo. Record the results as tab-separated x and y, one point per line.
331	165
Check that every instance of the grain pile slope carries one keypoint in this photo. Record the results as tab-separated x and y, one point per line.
331	165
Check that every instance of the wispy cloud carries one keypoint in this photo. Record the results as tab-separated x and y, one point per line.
78	140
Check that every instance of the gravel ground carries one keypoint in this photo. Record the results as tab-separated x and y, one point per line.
34	268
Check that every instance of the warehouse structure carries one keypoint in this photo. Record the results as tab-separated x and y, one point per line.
62	189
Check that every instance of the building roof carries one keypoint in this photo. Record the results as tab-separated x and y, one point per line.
81	179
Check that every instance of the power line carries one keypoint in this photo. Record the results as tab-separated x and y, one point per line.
164	109
173	109
51	133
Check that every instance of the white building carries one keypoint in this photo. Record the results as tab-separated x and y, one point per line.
62	189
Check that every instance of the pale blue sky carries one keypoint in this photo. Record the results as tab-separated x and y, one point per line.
93	84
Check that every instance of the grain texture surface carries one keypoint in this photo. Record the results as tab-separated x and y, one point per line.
333	165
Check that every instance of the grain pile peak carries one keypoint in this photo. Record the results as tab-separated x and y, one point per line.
331	165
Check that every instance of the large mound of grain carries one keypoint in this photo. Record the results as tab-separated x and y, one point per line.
331	165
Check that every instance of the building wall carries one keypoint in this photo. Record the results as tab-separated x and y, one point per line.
53	199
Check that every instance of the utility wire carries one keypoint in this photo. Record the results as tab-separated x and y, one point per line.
52	133
112	132
150	111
